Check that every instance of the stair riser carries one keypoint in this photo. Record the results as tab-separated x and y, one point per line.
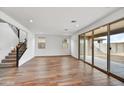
13	57
6	65
8	61
12	60
12	53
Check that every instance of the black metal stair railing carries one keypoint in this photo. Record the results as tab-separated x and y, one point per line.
20	49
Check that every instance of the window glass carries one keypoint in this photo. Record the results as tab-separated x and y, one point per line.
41	42
65	43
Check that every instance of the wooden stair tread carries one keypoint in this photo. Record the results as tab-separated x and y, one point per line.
4	65
13	50
11	56
7	63
12	53
9	59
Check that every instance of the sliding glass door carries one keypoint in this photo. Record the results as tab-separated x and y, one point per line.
100	47
104	48
88	47
117	48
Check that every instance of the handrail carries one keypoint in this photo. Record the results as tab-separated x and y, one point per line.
20	49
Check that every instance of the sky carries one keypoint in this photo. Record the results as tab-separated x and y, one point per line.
117	38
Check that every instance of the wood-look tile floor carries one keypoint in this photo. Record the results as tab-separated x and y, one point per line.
55	71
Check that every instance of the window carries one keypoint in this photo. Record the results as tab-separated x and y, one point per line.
41	42
65	43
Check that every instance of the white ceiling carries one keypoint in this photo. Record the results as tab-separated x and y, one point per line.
55	20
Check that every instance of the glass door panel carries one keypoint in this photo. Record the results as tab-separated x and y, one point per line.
82	47
117	48
100	47
88	47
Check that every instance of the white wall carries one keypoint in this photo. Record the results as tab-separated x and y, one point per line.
8	40
74	45
30	50
53	46
74	38
29	54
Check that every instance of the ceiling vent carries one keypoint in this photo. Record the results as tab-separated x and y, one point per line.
73	21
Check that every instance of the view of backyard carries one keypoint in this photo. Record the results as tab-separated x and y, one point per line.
100	42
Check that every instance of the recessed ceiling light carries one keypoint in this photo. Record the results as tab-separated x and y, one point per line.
66	29
73	21
30	21
77	25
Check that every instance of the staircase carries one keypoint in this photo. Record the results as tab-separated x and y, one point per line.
13	57
10	60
